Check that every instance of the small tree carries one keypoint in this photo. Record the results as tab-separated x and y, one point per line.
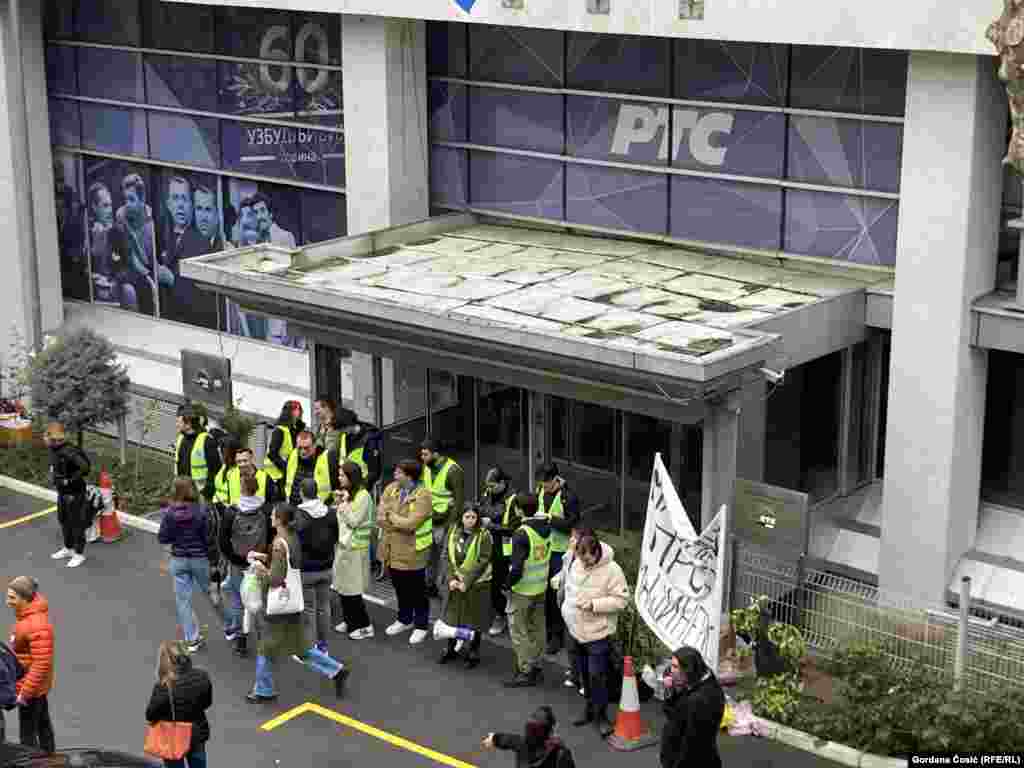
78	381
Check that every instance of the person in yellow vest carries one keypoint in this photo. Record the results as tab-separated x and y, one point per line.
500	516
404	516
470	550
357	518
444	478
246	463
305	463
227	478
195	453
562	506
282	443
528	582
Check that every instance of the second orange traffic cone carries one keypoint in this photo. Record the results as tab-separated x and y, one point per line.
110	526
630	732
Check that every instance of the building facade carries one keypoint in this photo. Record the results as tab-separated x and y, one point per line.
789	185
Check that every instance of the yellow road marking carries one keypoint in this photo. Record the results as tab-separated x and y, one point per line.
26	518
369	730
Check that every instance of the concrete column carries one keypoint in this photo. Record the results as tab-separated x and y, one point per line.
718	475
385	87
753	412
947	244
30	291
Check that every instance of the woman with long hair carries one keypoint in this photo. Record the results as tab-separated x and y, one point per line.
538	747
284	635
404	517
694	710
181	694
327	432
356	518
185	527
282	443
470	551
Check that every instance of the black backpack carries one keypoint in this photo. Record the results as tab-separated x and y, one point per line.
15	671
248	531
214	513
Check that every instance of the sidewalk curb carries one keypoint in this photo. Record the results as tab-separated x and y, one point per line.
45	494
830	750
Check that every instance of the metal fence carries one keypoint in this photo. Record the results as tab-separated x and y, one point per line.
981	646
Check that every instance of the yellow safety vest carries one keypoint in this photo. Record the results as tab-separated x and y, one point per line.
197	461
440	496
356	457
472	554
285	453
534	580
228	485
321	474
506	544
361	535
559	540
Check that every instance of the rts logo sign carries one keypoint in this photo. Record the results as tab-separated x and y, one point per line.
642	124
466	5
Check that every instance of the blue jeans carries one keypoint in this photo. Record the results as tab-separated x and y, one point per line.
231	589
316	660
190	574
195	759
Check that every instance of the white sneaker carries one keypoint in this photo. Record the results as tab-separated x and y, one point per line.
92	536
62	553
76	560
361	634
397	628
341	628
417	637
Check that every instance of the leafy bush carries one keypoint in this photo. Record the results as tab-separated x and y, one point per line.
238	425
78	381
777	697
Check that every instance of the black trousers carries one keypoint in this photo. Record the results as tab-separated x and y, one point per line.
34	724
499	566
411	591
353	609
591	663
73	520
552	610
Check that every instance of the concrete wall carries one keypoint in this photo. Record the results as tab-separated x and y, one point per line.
947	243
910	24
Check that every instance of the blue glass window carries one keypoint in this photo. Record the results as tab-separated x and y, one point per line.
844	227
516	55
114	129
729	141
184	139
324	216
58	19
60	69
447	111
857	80
617	63
65	126
845	153
318	38
185	83
616	198
257	212
115	22
449	177
284	152
446	48
516	119
726	212
257	89
609	129
108	74
178	26
527	186
254	33
319	96
718	70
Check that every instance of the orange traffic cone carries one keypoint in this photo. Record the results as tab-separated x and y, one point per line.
630	732
110	526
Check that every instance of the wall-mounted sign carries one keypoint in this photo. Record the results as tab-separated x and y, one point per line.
206	378
770	517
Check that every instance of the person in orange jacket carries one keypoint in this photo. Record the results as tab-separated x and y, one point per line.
32	643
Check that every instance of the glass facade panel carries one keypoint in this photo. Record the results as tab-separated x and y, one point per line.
617	63
71	225
518	55
616	198
845	153
517	119
60	69
115	75
324	216
65	124
116	130
857	80
178	27
1002	479
184	139
184	83
404	388
726	212
115	22
718	70
844	227
254	33
451	422
502	432
528	186
447	111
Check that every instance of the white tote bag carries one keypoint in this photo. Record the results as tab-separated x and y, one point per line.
287	598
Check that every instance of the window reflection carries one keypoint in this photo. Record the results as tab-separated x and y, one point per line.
502	432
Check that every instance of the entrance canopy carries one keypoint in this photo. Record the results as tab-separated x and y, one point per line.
665	323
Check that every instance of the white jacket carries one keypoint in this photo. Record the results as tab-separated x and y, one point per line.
594	597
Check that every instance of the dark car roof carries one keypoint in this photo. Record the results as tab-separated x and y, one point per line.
17	756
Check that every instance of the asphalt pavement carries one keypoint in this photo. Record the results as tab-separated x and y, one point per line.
402	709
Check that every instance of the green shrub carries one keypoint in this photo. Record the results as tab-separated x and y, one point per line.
777	697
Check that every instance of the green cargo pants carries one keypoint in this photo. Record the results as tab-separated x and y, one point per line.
526	627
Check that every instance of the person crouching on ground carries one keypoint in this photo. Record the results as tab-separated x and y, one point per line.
595	594
470	549
283	635
404	516
538	747
32	643
356	518
185	527
182	694
694	710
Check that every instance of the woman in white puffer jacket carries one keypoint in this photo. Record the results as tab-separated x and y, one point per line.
595	594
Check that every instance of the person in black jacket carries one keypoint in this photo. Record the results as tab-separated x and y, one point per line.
185	529
526	611
317	528
538	747
500	516
68	468
181	694
562	505
694	710
203	471
252	507
290	419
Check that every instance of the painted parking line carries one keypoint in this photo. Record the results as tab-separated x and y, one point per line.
369	730
26	518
